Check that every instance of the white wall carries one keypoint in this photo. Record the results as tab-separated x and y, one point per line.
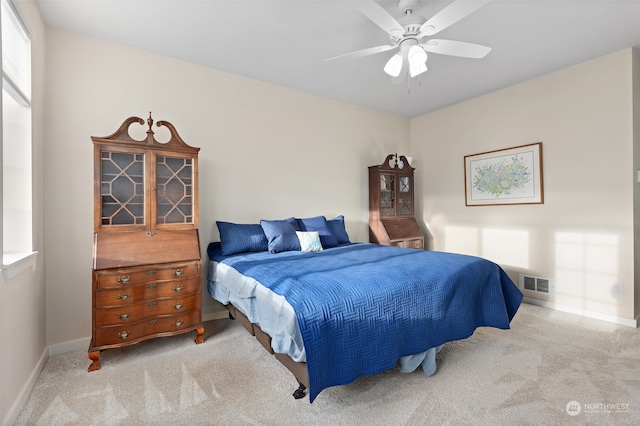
23	349
582	236
266	152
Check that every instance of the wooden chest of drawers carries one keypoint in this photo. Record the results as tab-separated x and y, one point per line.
139	302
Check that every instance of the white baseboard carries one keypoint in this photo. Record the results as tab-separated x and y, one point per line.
72	345
215	315
583	312
23	396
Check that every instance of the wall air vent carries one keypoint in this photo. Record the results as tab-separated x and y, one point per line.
536	284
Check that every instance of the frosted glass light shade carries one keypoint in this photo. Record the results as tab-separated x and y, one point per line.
417	70
394	66
417	60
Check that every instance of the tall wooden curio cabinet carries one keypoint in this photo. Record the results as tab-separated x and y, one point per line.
391	204
146	251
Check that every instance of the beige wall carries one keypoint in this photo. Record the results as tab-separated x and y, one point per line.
266	152
23	349
582	236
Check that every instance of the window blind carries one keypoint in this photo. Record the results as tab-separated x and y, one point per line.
16	59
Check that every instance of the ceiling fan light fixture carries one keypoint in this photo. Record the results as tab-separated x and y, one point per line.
408	35
417	69
417	56
394	66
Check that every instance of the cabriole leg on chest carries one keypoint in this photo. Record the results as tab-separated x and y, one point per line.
95	361
199	335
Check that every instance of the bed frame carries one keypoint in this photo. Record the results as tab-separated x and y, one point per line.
299	369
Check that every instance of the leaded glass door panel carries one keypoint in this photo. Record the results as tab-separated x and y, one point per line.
387	194
174	190
405	196
122	191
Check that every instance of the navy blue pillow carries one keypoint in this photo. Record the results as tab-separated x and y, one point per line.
336	226
281	235
319	223
241	238
297	224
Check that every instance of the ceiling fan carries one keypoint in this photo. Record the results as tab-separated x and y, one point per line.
410	36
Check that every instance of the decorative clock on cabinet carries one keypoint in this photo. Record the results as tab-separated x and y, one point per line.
146	250
391	204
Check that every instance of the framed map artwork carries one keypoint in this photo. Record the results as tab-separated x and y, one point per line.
504	176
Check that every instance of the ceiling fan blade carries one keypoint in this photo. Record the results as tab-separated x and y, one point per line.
364	52
456	48
451	14
379	16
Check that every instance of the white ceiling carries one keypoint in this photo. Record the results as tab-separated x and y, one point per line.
286	42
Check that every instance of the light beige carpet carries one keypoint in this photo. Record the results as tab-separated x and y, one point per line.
551	368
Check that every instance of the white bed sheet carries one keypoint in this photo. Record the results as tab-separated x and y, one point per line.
261	306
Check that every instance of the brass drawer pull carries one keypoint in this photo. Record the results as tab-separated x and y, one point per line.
124	296
124	315
151	272
152	322
152	304
124	334
178	288
124	279
178	272
178	323
152	285
178	306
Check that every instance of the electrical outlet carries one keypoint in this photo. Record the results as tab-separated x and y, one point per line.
617	289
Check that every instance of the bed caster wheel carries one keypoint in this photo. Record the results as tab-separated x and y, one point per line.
300	392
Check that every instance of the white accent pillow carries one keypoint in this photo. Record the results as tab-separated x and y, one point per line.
309	241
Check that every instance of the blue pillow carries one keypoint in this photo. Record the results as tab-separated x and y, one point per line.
319	223
281	235
336	226
297	224
241	238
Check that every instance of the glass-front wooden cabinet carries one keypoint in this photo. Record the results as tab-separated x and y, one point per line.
146	274
391	204
145	184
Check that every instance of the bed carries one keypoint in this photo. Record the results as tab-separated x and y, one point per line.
331	310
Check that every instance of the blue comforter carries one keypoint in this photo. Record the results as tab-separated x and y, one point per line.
361	307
